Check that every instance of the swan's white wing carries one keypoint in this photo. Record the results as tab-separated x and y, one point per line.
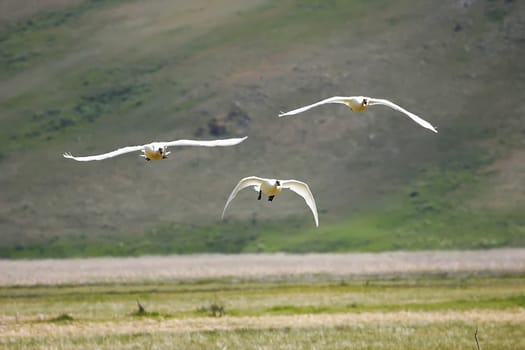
335	99
420	121
246	182
115	153
211	143
302	190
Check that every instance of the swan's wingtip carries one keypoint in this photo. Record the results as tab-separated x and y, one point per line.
67	155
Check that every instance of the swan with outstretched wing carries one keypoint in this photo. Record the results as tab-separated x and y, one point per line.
272	187
157	150
359	104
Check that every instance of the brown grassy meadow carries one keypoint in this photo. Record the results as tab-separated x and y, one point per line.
424	300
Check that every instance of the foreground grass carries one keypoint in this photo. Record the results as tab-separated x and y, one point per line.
370	334
426	313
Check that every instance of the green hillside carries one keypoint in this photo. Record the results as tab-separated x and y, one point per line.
91	76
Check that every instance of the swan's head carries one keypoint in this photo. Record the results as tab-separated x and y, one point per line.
364	102
277	183
163	152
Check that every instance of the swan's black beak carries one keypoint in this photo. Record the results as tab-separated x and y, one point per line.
277	183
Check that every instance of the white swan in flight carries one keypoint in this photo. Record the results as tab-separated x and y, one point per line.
157	150
271	188
359	104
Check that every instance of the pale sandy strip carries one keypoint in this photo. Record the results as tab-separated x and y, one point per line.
145	325
183	267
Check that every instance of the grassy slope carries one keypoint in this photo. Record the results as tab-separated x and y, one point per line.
103	74
405	314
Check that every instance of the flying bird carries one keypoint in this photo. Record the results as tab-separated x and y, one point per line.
271	188
359	104
157	150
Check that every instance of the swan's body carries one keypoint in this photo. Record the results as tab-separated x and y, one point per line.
272	188
359	104
157	150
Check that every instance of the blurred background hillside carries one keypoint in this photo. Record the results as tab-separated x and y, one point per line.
88	77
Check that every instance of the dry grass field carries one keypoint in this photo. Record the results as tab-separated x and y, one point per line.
392	330
426	300
254	266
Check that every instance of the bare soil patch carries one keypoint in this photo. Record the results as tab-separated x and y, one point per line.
506	188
